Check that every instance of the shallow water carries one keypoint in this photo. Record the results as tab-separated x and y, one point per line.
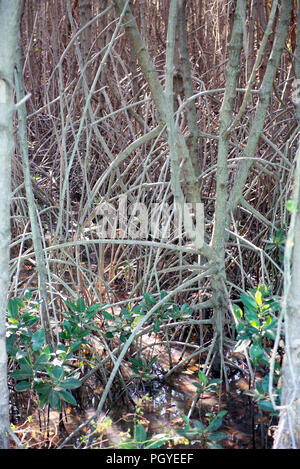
170	400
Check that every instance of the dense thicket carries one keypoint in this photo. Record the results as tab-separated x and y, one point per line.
188	101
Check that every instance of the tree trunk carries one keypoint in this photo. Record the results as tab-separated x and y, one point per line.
85	9
9	27
288	432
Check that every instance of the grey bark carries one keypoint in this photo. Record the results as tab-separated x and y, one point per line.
287	434
9	27
187	83
85	10
261	111
186	190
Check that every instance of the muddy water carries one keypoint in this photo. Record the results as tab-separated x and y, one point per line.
170	400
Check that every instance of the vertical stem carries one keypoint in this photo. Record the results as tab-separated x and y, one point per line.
262	107
220	219
9	26
185	68
85	9
36	235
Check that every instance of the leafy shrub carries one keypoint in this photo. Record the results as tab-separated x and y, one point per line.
39	369
208	435
256	328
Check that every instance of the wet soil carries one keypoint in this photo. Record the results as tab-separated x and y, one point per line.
245	427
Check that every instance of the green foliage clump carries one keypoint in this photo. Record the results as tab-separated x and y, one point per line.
47	373
208	435
257	327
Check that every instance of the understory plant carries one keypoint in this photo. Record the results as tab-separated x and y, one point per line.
47	373
207	435
256	331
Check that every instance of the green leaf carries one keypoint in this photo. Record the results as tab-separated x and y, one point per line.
71	383
80	305
268	321
41	362
92	310
129	444
291	206
156	326
12	307
38	340
107	316
259	388
215	382
67	396
202	377
218	436
21	374
13	321
10	340
68	326
199	387
60	348
28	295
54	399
266	406
238	312
214	424
43	399
258	297
216	421
29	319
140	433
42	388
265	383
71	306
148	377
138	308
22	386
256	351
58	372
137	320
109	335
271	334
252	318
184	307
124	336
19	302
149	298
249	302
136	362
75	346
199	426
22	354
